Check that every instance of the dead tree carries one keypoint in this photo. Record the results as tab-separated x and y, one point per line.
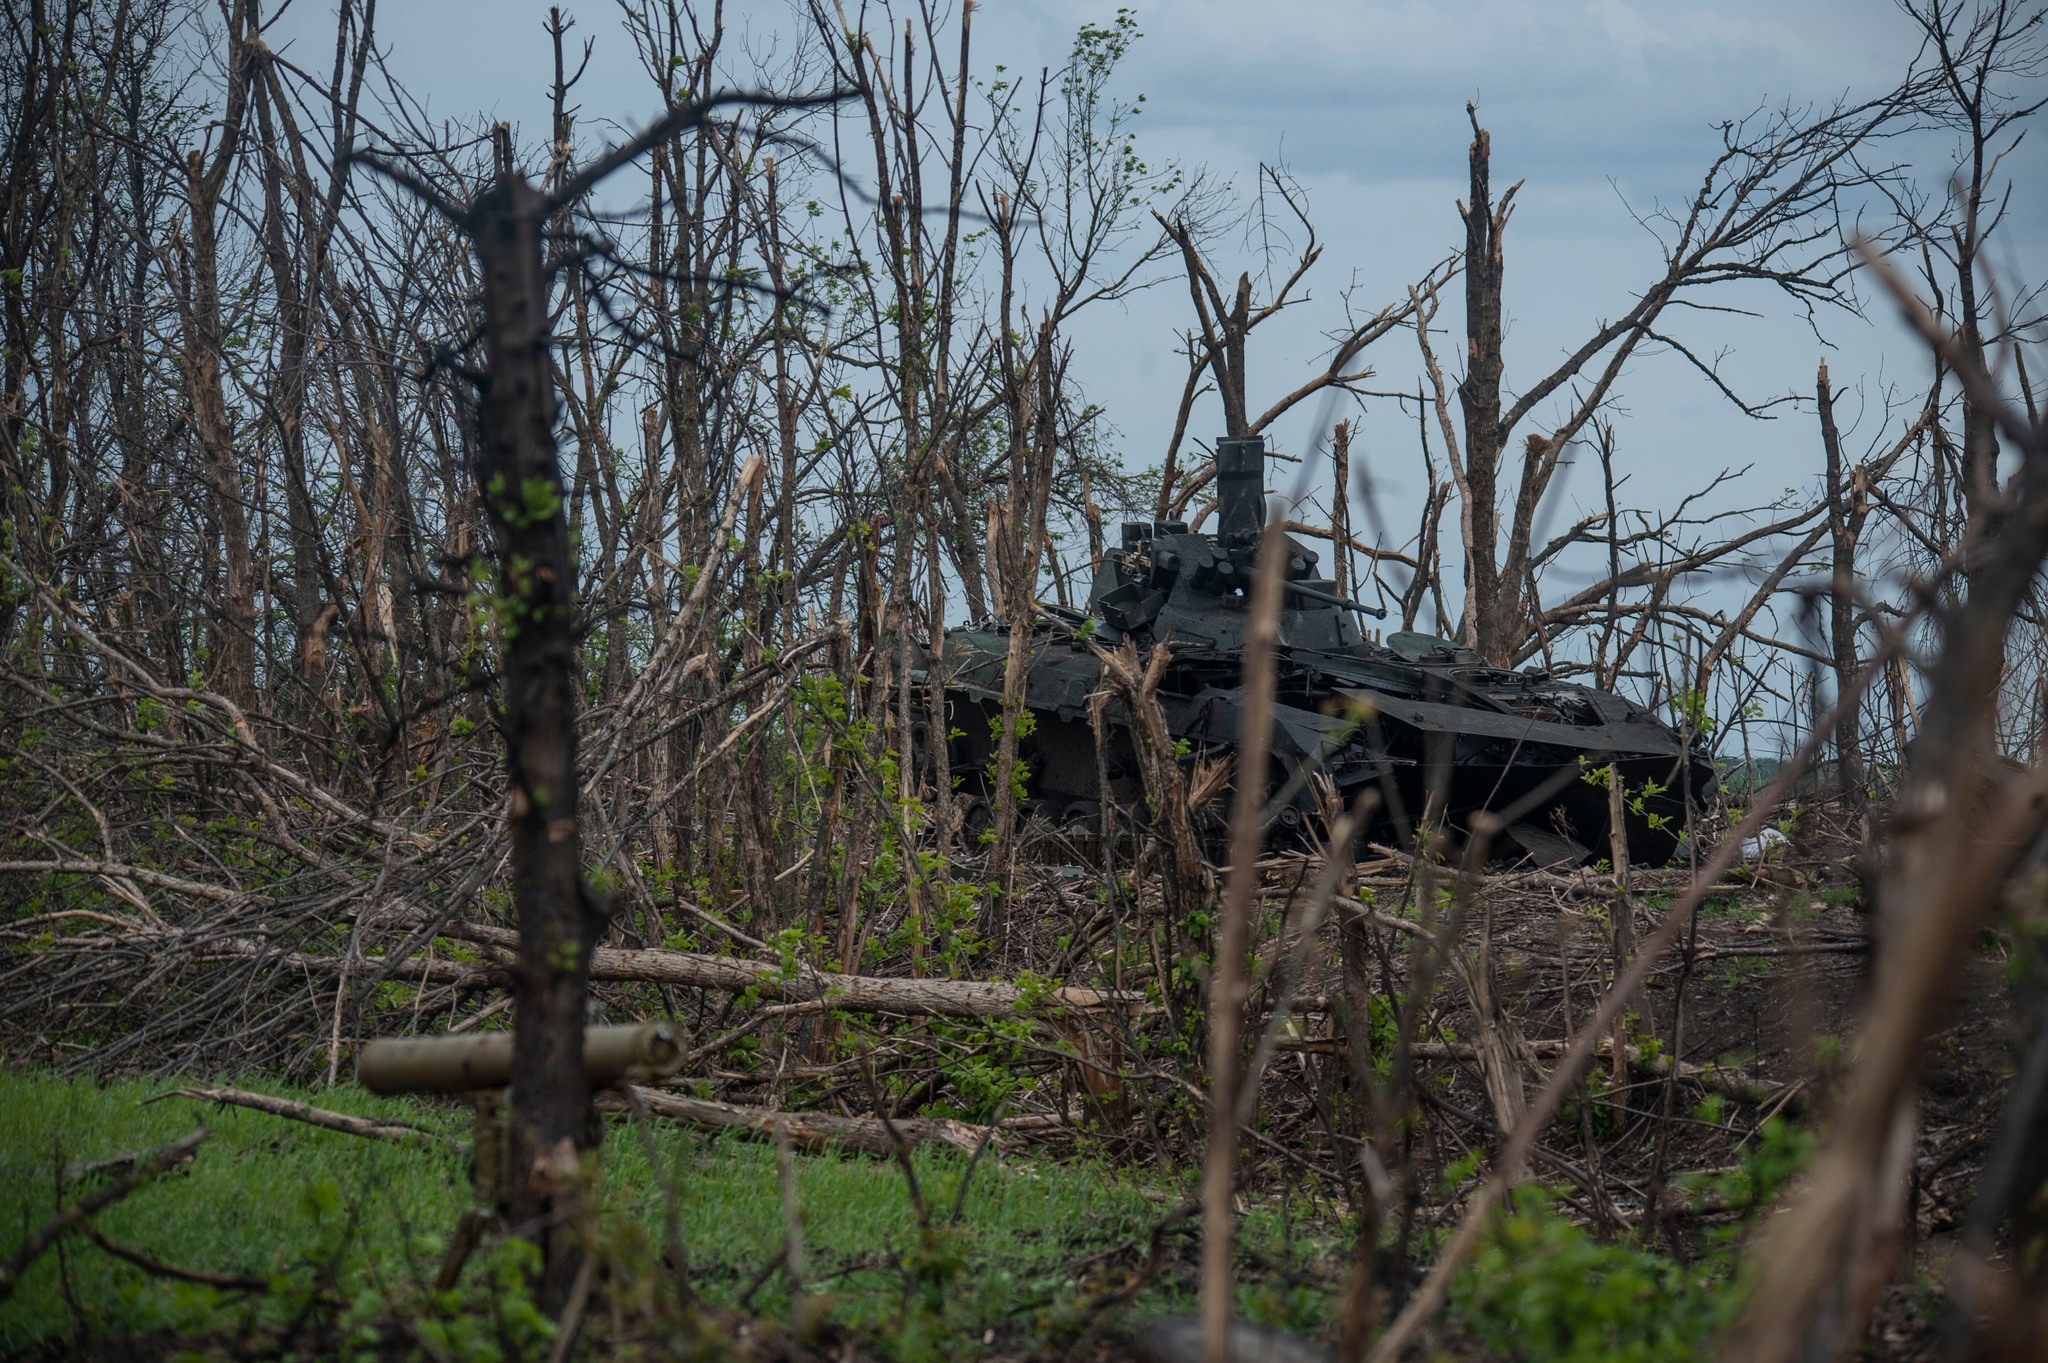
1216	347
1963	820
1983	56
1846	513
1761	215
560	914
196	269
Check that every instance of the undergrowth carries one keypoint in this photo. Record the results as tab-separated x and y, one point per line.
349	1232
360	1225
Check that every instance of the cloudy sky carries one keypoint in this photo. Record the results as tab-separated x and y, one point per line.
1601	106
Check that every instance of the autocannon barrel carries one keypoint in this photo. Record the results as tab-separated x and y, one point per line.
1332	599
456	1064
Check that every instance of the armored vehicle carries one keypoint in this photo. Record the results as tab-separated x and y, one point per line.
1431	724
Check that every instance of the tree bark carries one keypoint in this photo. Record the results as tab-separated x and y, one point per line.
1479	403
851	993
1841	600
521	484
816	1132
1340	508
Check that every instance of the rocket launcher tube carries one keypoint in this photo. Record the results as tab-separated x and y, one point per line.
1241	514
1240	488
457	1064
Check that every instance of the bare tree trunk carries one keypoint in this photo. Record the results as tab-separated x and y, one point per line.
204	360
1479	402
1340	508
298	276
1841	601
1030	380
1624	929
1498	1044
1184	880
559	921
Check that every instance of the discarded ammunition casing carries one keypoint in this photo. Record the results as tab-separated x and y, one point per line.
455	1064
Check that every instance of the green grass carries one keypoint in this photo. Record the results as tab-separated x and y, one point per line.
264	1196
359	1225
290	1202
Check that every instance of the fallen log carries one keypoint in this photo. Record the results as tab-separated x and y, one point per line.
1727	1083
853	993
1855	946
700	970
461	974
293	1110
1713	1078
810	1131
